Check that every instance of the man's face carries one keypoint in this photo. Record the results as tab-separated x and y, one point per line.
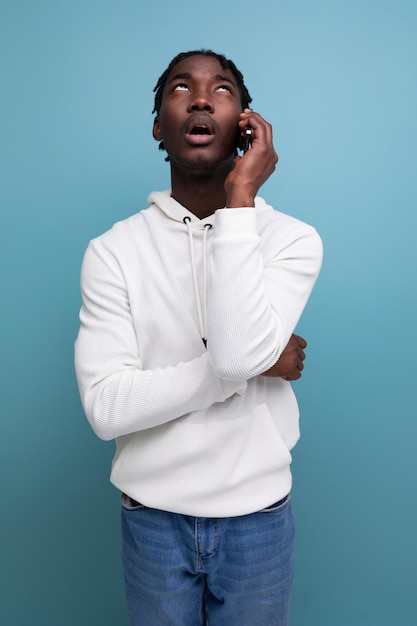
198	119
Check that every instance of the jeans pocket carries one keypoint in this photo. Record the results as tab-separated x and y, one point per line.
279	506
131	505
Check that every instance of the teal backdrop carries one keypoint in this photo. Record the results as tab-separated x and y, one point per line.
337	79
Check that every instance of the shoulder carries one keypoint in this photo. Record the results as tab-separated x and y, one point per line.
124	233
116	247
122	230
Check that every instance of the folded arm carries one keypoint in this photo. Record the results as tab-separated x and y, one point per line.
118	395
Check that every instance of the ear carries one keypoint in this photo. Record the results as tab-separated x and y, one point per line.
156	131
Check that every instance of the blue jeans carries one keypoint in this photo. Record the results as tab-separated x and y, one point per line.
190	571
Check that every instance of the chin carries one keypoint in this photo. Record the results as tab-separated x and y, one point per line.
203	165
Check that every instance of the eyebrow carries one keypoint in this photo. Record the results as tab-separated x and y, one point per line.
188	76
223	78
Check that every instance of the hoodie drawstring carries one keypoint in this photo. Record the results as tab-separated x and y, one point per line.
201	309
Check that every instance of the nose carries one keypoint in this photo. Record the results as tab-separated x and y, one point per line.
201	101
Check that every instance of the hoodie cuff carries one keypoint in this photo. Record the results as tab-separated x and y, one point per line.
235	223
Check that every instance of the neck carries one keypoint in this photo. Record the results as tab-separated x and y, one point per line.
199	191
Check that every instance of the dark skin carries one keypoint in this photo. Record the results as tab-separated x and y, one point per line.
200	122
290	364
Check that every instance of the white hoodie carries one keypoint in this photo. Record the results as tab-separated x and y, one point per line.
198	430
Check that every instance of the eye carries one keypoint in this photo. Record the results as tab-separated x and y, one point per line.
181	87
224	88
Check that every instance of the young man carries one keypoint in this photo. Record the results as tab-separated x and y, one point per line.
184	356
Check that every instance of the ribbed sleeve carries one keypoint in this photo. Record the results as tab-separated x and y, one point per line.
119	396
256	301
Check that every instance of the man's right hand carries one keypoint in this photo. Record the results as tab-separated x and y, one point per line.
253	168
290	364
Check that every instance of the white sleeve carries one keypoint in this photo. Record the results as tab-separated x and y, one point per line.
118	396
254	303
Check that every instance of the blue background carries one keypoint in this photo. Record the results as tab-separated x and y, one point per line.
338	82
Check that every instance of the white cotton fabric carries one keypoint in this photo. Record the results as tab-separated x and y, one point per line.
198	431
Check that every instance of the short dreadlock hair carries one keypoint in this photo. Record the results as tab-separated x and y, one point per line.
226	64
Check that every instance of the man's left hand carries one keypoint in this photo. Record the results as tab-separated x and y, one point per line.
290	364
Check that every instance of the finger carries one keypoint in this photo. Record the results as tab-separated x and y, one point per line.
294	376
301	342
301	354
253	117
262	128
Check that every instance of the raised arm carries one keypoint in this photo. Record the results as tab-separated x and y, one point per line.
261	272
256	302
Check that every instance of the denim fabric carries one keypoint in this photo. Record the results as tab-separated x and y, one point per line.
191	571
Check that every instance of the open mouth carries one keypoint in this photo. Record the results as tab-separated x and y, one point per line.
200	130
200	133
